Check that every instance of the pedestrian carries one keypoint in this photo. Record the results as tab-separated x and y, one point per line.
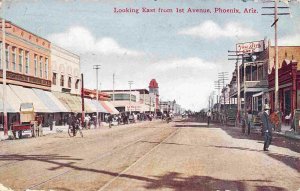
50	121
267	127
110	119
208	117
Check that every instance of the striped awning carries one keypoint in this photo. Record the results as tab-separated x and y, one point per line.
48	100
27	95
112	108
59	104
89	107
11	106
109	107
71	102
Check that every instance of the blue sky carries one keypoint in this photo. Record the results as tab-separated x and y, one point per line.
184	52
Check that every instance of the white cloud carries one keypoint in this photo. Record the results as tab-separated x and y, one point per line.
193	63
291	40
211	30
81	40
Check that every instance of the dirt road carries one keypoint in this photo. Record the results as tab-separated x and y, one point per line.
148	156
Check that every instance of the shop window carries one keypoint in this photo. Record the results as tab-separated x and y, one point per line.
287	102
54	78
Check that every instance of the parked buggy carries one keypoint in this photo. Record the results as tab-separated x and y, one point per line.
28	122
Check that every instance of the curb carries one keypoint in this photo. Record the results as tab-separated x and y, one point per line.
289	136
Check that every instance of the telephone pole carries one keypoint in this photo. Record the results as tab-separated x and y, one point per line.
113	88
97	67
223	76
5	125
276	7
237	58
130	83
218	87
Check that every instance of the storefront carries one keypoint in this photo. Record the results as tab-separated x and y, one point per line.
289	83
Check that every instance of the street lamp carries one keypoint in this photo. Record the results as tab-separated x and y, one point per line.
97	67
130	83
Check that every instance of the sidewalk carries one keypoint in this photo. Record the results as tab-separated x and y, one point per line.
64	129
285	131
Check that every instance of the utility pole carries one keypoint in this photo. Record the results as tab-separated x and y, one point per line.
223	76
5	126
97	67
276	45
82	98
237	58
218	87
113	88
130	83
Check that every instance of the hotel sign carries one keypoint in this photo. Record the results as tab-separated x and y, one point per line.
25	78
250	47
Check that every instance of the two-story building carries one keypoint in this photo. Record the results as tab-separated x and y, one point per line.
28	72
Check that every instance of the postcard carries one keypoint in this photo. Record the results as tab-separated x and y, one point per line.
150	95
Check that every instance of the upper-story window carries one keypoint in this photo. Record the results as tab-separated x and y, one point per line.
54	78
41	67
21	52
14	58
77	84
69	82
7	57
35	65
27	62
62	80
46	68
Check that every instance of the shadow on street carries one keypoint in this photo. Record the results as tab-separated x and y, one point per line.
170	180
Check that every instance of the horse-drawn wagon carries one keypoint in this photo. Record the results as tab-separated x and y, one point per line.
28	122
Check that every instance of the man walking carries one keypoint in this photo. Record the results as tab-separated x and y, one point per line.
267	127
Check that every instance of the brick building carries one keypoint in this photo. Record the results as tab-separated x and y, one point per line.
27	58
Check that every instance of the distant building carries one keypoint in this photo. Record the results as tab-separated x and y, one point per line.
141	100
170	106
154	92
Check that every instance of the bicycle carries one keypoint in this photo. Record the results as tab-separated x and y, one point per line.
72	131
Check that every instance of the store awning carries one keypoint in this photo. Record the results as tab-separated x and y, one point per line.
27	95
11	107
112	108
89	107
77	100
106	107
69	101
99	107
48	101
60	105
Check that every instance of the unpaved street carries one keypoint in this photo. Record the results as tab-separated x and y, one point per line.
150	156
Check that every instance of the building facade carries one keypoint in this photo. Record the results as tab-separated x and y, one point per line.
66	75
28	59
154	93
141	100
